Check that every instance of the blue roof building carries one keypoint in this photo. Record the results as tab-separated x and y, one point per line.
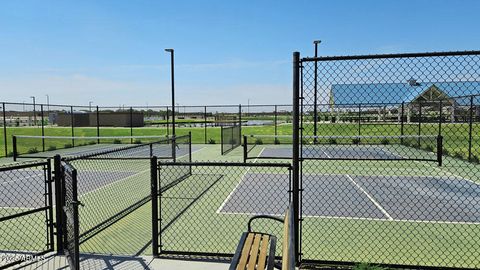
396	93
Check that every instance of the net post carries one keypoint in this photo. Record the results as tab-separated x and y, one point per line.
98	126
440	150
43	127
58	175
296	150
245	145
14	144
174	148
205	123
4	128
72	119
154	199
131	125
470	130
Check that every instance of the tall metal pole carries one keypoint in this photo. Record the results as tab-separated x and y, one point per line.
296	148
48	103
43	128
72	119
315	112
172	67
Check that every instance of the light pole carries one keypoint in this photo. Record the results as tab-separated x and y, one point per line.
34	112
172	65
90	105
315	112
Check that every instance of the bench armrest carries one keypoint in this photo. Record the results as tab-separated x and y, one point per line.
263	217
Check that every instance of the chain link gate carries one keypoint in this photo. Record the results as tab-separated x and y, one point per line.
202	208
26	216
386	159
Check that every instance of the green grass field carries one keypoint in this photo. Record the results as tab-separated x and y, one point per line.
456	136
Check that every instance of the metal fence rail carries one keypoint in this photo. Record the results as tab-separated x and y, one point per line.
395	213
26	212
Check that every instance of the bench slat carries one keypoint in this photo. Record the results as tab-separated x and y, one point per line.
252	262
245	252
262	259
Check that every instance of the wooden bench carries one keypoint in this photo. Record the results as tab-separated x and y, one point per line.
256	250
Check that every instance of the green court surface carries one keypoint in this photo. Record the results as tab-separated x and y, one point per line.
192	220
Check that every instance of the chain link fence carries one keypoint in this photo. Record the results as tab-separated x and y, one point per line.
383	204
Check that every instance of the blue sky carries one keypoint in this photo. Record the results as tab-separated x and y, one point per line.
226	52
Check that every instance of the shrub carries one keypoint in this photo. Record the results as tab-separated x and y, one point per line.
356	141
277	141
52	148
137	141
475	159
91	143
68	145
385	141
10	154
429	148
458	154
258	141
32	150
446	152
211	141
332	141
117	141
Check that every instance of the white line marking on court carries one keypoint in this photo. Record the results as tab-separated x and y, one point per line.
238	184
370	197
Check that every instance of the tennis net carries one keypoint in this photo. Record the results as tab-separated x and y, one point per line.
406	147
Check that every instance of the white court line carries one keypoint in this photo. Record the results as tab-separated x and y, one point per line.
238	184
370	197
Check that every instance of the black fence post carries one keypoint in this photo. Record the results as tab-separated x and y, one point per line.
72	118
296	149
245	148
275	121
205	123
14	144
441	118
440	150
359	119
50	204
419	123
43	127
58	173
131	125
470	130
402	123
154	197
239	122
4	129
98	125
190	147
174	148
168	129
221	139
